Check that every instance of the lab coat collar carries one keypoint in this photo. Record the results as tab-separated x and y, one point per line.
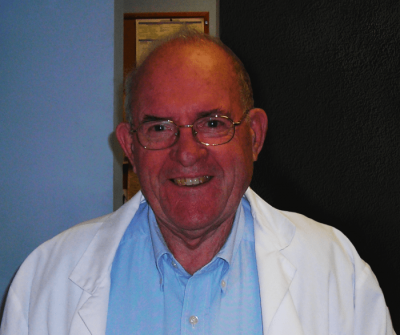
273	233
93	276
87	274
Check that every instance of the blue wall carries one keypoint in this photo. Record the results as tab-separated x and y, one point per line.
56	109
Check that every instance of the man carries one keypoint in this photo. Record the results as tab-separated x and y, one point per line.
196	251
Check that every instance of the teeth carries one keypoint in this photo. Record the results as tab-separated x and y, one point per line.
191	181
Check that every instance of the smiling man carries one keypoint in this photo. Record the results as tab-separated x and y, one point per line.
196	175
196	251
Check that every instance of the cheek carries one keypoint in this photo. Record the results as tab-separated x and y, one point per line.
144	168
241	157
149	167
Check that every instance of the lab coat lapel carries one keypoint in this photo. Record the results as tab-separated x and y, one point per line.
279	314
92	273
91	317
93	313
273	233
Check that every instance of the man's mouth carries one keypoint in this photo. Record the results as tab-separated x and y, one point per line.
191	181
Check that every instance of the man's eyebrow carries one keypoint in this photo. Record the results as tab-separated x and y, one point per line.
148	118
216	111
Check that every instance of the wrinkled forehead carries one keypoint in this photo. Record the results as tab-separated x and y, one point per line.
179	66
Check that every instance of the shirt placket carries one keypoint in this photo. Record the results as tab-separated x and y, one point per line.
196	305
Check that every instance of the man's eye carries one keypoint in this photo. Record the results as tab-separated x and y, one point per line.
213	124
158	127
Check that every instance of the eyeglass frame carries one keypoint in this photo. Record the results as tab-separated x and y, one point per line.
194	133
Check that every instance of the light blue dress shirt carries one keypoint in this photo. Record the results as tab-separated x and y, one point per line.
151	293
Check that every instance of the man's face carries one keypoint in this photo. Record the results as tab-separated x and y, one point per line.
181	84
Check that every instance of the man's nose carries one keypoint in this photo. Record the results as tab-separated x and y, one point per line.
187	150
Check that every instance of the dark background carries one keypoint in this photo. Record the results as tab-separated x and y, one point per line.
327	74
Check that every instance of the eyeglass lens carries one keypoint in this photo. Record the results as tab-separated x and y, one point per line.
213	130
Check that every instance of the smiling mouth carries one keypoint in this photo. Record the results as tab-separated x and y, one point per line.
191	181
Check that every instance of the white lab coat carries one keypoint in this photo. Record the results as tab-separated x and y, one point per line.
312	280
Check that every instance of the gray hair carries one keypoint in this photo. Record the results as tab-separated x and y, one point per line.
189	36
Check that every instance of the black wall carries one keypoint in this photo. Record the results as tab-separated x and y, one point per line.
327	73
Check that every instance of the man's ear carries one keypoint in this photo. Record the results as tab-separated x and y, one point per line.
125	140
259	126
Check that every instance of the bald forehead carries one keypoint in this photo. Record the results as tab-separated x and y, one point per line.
202	54
188	63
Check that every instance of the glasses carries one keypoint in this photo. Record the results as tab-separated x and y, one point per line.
208	130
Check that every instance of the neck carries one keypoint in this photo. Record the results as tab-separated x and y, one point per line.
195	250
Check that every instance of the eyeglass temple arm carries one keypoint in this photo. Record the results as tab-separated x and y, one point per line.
241	120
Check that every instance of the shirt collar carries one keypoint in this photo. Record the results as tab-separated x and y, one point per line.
231	245
159	246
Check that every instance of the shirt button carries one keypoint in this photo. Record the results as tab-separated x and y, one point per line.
174	264
223	283
193	320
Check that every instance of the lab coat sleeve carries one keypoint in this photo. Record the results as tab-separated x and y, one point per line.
371	314
15	316
16	311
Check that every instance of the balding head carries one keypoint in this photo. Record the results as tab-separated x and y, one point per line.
184	38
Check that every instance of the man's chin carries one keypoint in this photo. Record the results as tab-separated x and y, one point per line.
196	215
